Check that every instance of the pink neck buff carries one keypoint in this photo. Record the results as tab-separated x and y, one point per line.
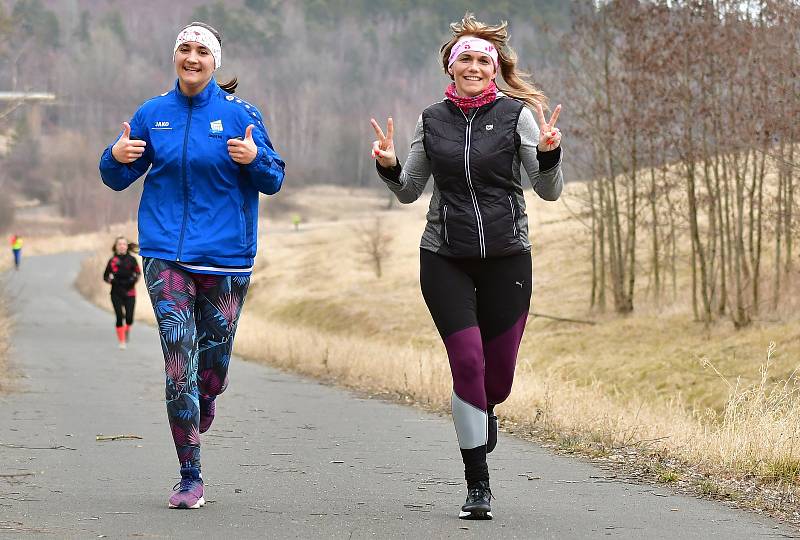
466	103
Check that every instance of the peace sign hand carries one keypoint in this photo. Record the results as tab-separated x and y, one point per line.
127	150
383	148
549	134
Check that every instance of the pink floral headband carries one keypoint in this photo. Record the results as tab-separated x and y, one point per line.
472	43
204	37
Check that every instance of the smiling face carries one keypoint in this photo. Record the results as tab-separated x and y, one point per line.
472	72
194	65
121	247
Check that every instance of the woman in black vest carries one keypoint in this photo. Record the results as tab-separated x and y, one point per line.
475	257
122	272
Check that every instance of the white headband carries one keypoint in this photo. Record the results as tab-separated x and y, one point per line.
204	37
472	43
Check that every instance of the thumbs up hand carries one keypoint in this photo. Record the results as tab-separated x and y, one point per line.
243	151
127	150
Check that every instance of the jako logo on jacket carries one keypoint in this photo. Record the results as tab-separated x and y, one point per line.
198	205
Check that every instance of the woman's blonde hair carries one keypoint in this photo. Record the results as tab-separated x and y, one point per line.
518	82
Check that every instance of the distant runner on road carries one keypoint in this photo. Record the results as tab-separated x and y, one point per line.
475	256
122	272
16	249
209	156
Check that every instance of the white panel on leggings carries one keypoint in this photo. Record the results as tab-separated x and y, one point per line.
470	421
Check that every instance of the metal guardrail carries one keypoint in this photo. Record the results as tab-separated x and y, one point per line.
27	96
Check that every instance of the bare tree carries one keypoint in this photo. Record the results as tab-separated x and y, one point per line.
682	84
375	243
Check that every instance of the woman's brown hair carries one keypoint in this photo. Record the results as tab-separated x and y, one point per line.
517	83
133	247
230	85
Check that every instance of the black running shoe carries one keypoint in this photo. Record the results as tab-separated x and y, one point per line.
478	505
491	439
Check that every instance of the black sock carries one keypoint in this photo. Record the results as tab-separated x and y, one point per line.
475	468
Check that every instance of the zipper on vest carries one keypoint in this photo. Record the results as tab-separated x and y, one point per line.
185	182
446	238
481	239
513	215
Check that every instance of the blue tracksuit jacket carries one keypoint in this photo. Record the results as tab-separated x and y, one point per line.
198	205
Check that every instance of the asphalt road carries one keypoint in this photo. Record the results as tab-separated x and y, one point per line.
286	457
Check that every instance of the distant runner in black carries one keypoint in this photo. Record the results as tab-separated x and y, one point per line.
122	272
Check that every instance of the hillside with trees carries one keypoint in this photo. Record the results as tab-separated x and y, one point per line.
317	70
681	116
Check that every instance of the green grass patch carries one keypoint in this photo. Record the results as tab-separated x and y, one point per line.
783	470
710	488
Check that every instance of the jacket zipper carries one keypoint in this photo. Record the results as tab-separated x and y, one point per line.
513	215
246	226
481	239
446	238
185	182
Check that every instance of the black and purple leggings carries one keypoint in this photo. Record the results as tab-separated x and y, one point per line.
197	316
480	307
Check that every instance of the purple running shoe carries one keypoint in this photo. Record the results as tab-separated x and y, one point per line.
208	407
188	493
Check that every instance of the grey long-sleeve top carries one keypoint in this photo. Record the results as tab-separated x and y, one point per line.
543	170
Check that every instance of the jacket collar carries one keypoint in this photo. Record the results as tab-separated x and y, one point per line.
200	99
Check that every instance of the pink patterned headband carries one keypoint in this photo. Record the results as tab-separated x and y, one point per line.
204	37
472	43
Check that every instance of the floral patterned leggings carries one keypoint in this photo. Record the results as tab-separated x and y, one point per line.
197	316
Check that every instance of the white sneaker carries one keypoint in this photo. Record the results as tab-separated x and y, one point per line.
122	345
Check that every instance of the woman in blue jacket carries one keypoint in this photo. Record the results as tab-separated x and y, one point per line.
209	156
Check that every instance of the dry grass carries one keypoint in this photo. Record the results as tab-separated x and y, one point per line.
315	307
708	397
323	204
6	373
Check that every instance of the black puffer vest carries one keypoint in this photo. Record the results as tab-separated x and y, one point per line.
471	159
